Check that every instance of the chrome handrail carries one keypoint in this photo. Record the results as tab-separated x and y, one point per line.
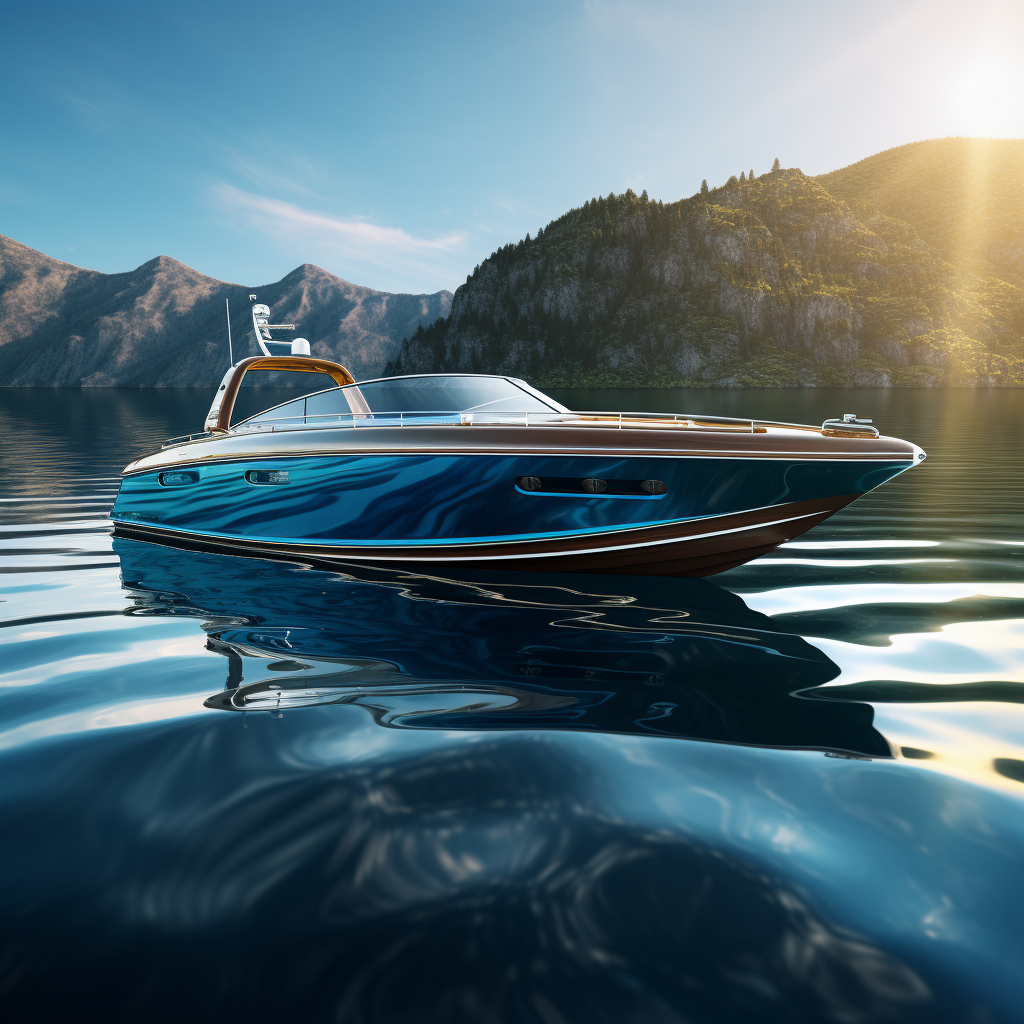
612	420
171	442
616	420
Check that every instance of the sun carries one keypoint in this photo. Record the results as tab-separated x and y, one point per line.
986	96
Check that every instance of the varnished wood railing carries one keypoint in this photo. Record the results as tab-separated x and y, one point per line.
218	419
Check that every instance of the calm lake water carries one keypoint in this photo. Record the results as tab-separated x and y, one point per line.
791	792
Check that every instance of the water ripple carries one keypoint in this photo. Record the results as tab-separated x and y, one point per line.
792	793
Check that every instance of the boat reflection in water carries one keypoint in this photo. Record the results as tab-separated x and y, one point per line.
677	658
483	799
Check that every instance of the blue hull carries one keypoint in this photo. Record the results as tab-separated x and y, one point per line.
422	502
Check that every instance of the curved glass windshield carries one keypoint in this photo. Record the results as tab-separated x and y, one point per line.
435	393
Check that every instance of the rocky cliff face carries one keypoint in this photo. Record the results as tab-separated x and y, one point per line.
766	282
164	325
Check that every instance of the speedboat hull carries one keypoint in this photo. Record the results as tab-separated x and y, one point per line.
661	499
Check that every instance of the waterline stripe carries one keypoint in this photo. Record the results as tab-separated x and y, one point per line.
315	550
599	550
522	538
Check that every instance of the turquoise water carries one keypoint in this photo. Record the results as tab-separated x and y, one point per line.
790	792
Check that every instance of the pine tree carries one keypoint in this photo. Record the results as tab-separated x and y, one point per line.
750	177
743	176
732	181
775	166
704	187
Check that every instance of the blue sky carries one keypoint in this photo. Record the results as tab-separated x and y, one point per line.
398	144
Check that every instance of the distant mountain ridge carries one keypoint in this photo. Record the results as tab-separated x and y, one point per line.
904	269
163	324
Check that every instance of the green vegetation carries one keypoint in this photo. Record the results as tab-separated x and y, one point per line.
965	197
782	280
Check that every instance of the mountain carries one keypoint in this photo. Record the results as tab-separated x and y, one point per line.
902	270
965	197
163	324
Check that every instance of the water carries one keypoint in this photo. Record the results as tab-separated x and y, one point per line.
793	792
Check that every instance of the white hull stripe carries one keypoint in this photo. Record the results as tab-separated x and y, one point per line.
376	556
539	452
598	550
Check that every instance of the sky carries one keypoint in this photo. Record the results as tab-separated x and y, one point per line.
398	144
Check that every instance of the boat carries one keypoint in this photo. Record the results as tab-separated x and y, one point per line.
445	469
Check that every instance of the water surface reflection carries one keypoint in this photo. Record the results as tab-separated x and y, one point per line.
664	657
234	787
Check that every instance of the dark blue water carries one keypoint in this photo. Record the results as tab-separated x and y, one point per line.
238	788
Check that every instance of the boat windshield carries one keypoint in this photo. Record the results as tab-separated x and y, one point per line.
434	393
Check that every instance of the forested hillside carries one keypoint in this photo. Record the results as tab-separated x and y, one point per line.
965	197
765	281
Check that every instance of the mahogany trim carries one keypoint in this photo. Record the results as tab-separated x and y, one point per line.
473	439
218	419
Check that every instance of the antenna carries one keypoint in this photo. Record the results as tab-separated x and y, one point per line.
231	356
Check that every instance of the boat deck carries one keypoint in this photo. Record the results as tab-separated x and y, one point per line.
605	420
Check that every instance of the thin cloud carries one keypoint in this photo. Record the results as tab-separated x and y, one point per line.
258	174
316	235
658	26
281	170
107	118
